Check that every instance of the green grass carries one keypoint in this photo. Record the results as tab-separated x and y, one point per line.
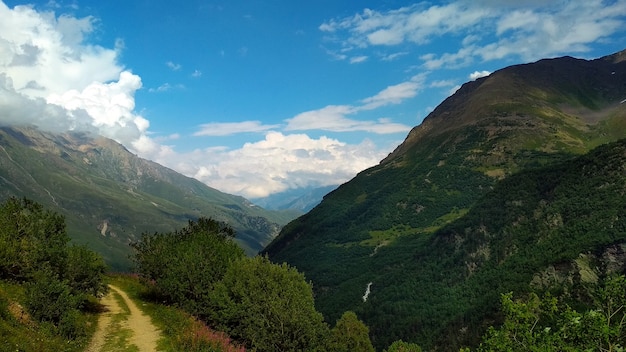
117	335
19	333
181	332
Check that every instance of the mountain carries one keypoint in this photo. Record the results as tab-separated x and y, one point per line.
110	196
299	200
415	231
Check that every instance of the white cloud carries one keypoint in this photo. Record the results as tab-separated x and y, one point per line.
478	74
358	59
173	66
333	118
43	54
54	80
391	57
395	94
483	30
441	84
166	87
196	74
277	163
230	128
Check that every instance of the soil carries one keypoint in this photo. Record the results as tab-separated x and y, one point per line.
144	334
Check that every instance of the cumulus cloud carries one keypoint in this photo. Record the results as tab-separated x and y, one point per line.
478	74
51	77
485	29
279	162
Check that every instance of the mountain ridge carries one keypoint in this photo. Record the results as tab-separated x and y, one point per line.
109	196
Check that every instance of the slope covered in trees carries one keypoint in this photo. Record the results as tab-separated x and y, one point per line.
395	225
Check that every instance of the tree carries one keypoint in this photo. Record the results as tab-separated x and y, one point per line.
185	265
29	237
350	334
401	346
85	271
267	306
536	324
33	249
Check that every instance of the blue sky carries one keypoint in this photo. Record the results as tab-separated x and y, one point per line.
258	97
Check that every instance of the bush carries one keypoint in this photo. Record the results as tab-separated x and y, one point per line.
350	335
85	271
50	300
267	306
185	265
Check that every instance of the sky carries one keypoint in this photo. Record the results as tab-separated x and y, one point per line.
259	97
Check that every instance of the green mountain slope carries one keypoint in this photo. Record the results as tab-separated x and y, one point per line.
110	196
385	226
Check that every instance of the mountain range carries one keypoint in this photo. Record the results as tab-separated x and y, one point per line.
109	196
299	200
513	183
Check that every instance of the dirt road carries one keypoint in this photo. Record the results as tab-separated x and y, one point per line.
123	326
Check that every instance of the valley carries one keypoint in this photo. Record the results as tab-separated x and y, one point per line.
512	188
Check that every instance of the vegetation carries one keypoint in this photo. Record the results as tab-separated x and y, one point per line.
56	283
535	324
264	306
438	284
184	265
109	196
268	307
350	334
181	331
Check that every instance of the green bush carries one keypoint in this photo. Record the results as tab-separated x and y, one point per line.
350	335
268	307
401	346
85	271
185	265
49	299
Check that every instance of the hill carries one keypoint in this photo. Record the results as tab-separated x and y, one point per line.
397	229
110	196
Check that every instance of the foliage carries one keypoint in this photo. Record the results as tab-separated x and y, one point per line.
439	284
185	265
350	334
181	331
85	271
267	306
30	237
537	324
401	346
58	279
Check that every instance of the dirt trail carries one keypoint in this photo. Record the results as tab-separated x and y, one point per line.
144	335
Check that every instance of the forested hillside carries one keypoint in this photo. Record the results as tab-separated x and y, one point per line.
483	197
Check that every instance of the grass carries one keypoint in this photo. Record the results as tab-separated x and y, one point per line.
19	333
117	335
181	331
